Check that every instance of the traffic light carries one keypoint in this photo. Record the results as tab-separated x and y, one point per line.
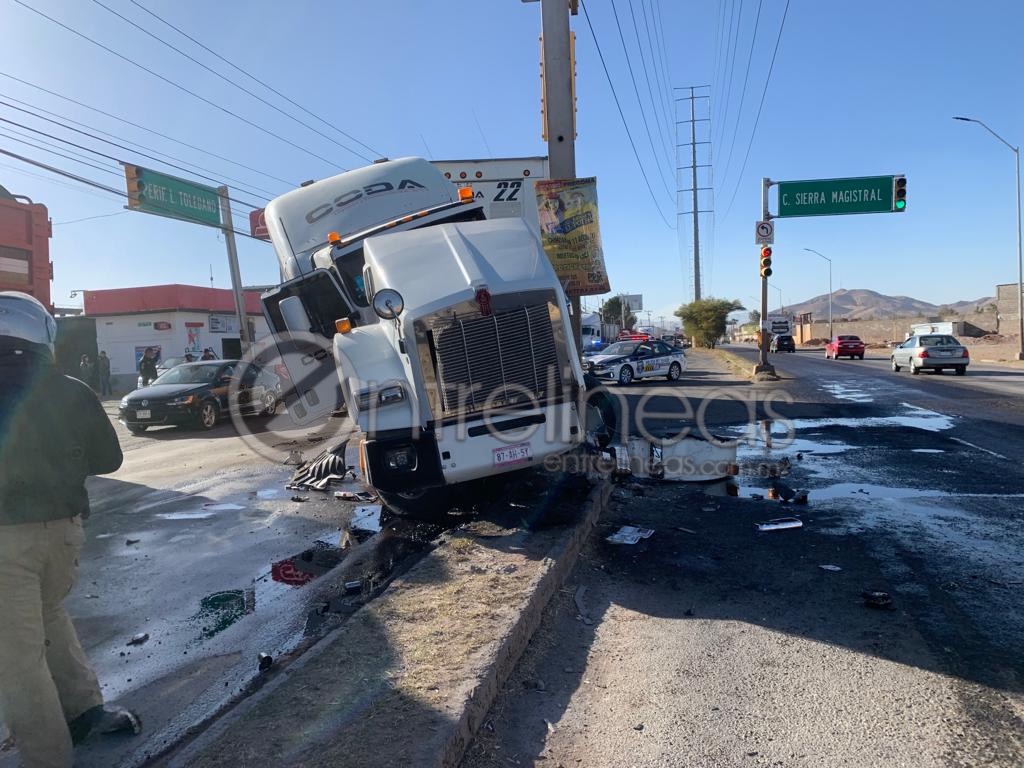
134	186
766	262
899	193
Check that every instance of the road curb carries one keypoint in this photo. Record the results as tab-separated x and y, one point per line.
562	559
474	687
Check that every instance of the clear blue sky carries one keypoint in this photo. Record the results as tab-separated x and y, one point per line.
857	89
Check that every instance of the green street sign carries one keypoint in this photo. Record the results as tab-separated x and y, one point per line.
152	192
835	197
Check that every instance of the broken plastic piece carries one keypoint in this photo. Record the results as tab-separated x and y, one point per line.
138	639
266	661
780	524
876	598
629	534
833	568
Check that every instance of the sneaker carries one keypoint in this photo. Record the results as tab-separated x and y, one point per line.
103	719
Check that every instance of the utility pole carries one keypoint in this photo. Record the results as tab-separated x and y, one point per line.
763	366
227	227
559	105
694	189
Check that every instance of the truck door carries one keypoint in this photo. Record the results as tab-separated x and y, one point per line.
302	315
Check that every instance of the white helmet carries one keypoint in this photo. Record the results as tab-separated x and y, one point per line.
24	318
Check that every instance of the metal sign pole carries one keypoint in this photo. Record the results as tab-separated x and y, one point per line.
763	366
227	227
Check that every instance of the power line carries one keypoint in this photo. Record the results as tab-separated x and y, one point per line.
256	79
661	79
726	39
759	108
126	121
643	113
732	69
55	182
90	218
625	125
111	143
116	192
177	85
289	115
76	157
659	31
743	93
252	189
647	78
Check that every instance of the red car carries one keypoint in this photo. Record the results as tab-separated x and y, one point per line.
844	346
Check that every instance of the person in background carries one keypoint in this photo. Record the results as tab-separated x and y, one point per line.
208	354
103	371
53	434
147	366
86	370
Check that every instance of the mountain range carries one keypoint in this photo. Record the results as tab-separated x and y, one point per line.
864	304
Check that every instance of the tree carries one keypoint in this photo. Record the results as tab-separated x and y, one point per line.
755	316
704	320
611	312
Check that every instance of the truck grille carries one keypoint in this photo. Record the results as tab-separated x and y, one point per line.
506	359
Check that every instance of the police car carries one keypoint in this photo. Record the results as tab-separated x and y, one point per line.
624	361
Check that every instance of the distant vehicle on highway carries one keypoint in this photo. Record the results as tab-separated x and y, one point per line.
931	351
782	343
199	395
844	345
625	361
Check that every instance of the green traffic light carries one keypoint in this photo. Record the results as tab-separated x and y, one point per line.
901	204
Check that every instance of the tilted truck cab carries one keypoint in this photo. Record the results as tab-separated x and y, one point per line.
476	375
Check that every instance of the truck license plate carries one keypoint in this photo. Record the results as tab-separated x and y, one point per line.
142	414
512	454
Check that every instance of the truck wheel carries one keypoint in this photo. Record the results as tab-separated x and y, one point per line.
427	504
625	375
674	372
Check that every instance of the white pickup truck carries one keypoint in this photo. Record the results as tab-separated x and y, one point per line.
451	339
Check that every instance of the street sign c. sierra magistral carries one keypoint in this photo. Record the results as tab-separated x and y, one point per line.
834	197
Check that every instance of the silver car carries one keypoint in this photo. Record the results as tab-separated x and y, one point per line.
934	351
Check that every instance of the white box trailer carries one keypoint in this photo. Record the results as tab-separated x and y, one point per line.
504	185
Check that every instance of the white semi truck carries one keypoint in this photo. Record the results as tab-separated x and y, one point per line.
449	333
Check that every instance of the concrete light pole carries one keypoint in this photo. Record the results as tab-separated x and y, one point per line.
826	258
1020	260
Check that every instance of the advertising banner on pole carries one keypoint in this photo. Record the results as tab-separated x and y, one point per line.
571	235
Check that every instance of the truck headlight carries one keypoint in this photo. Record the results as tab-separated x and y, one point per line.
385	396
402	459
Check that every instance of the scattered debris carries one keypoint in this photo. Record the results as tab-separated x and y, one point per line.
629	534
351	587
833	568
551	728
367	518
138	639
638	727
359	496
780	524
800	498
686	530
295	459
216	506
875	598
298	498
318	474
581	607
266	661
779	490
129	542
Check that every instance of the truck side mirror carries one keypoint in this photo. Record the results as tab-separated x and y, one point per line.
388	304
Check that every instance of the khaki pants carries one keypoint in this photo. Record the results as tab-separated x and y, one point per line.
45	678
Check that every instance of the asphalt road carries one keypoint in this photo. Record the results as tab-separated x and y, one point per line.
713	644
181	546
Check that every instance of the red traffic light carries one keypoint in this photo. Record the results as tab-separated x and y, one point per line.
766	252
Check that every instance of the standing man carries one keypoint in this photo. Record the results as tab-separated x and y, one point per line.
53	434
86	370
103	368
147	366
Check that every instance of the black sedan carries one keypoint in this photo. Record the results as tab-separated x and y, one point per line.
199	394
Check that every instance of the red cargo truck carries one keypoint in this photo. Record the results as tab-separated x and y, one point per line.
25	234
